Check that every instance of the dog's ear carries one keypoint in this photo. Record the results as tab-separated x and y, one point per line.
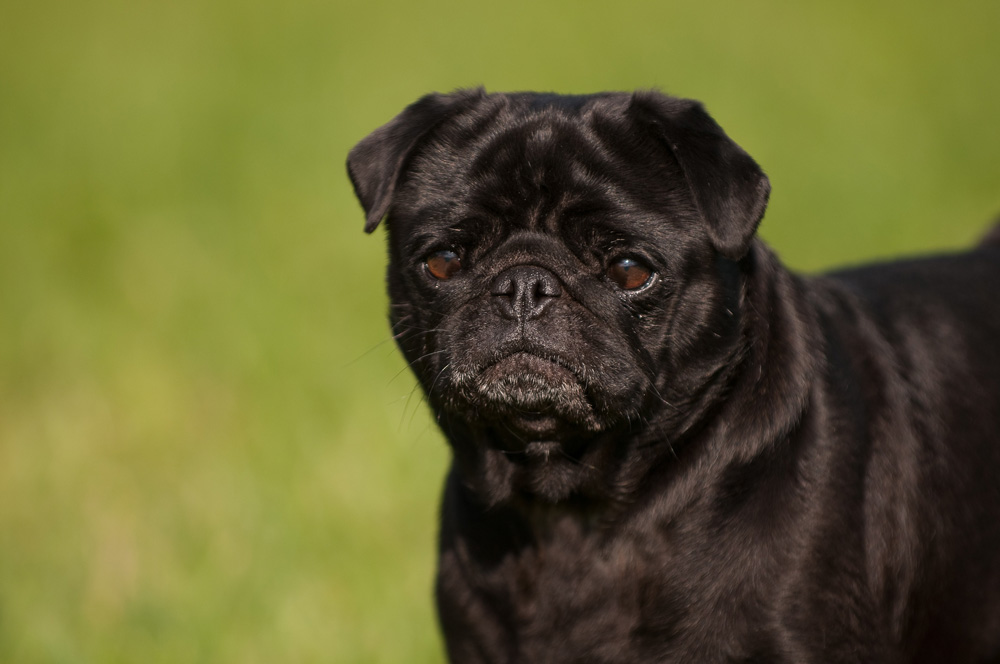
728	186
375	164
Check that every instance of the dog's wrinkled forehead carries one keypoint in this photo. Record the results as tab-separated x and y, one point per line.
530	164
524	156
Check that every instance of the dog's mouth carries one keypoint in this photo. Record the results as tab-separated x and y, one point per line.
531	394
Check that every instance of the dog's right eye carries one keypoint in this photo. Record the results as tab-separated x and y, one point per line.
443	264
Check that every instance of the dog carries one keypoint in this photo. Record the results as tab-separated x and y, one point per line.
666	446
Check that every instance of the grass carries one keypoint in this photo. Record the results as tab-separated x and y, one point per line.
209	449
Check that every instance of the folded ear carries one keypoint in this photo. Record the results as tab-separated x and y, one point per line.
728	186
374	165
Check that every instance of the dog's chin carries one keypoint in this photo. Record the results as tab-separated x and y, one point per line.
534	399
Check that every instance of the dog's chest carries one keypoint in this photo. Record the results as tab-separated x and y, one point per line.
577	596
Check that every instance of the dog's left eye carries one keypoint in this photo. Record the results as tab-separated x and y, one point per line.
629	274
443	264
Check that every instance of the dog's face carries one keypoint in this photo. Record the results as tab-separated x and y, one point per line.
564	272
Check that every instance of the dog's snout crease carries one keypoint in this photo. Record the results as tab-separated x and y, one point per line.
524	292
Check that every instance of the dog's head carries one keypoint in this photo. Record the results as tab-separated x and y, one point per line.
564	272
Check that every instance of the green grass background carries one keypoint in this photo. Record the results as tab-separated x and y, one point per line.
209	449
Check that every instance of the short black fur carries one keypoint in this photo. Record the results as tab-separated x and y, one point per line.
728	463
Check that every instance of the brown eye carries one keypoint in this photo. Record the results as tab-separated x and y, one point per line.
629	274
443	264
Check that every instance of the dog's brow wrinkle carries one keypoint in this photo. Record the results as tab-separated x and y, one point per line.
541	135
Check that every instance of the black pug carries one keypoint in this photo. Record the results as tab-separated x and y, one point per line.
667	447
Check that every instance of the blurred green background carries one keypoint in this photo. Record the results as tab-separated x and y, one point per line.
209	449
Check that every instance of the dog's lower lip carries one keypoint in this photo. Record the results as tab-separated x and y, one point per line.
534	363
529	388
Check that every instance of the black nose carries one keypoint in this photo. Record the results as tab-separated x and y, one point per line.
524	292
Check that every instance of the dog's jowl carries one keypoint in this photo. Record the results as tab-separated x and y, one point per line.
666	446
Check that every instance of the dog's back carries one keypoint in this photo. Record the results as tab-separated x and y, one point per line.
914	352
